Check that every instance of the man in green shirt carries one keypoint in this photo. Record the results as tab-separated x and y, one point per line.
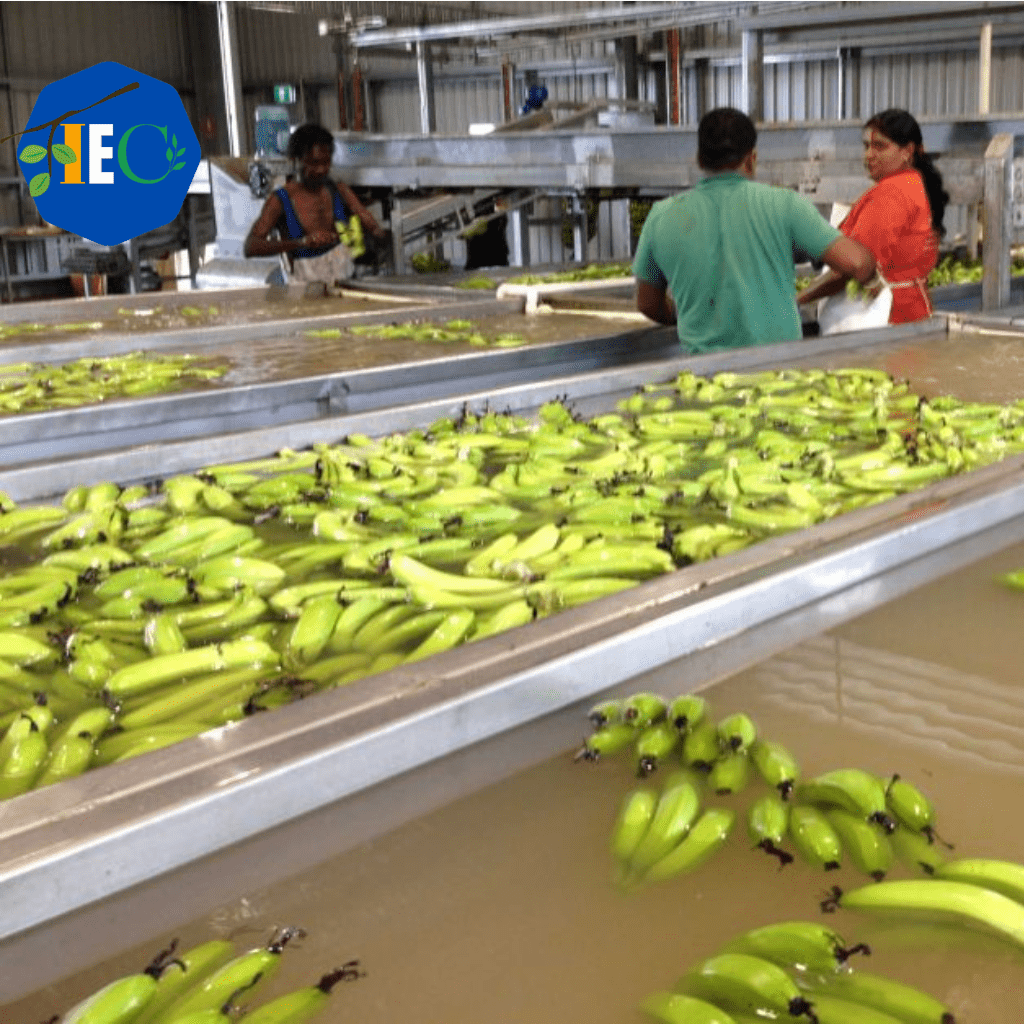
718	260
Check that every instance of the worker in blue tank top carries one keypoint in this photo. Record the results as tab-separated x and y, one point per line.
304	213
717	260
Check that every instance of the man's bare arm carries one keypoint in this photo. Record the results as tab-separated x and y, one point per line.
847	258
350	200
655	303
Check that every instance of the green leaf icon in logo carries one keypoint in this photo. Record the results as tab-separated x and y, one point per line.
174	140
170	155
39	184
64	154
32	154
178	167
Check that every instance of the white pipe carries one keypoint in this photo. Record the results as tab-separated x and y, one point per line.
230	74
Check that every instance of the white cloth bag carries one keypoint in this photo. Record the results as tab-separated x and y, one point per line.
839	313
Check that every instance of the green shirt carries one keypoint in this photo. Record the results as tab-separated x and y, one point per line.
724	250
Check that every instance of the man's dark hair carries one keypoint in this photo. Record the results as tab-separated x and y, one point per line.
305	137
725	136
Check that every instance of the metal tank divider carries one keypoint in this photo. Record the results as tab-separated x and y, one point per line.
35	481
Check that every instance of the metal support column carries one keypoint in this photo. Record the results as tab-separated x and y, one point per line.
397	248
853	83
520	220
579	229
425	78
358	112
998	226
231	74
341	57
701	80
626	67
985	68
674	75
753	74
508	89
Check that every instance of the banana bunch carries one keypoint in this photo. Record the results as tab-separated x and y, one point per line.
203	985
793	969
593	272
351	234
874	822
32	387
214	595
460	331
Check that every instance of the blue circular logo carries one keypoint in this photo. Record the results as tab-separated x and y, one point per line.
108	153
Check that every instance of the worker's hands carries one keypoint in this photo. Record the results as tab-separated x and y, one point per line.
321	238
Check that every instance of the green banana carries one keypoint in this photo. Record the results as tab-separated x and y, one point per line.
960	902
678	806
162	635
655	743
686	712
181	700
227	573
776	765
121	746
900	1002
768	823
24	763
609	740
916	850
707	835
909	806
98	557
409	572
449	632
1002	876
747	984
851	789
67	758
701	748
830	1010
673	1008
241	972
412	629
606	712
34	605
633	820
737	732
21	648
730	773
814	837
804	946
125	581
122	1001
301	1005
311	632
869	848
643	709
157	671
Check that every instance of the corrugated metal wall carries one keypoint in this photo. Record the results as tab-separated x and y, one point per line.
43	42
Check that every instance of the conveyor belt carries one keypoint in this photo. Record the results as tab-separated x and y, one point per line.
159	813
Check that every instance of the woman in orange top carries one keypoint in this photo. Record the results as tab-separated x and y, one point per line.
899	219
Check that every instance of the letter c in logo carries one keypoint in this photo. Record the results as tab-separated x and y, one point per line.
122	154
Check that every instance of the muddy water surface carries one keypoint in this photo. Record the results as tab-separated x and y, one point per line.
500	907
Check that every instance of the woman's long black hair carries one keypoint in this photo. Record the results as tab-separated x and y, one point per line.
901	127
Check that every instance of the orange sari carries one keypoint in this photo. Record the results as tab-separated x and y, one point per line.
893	219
